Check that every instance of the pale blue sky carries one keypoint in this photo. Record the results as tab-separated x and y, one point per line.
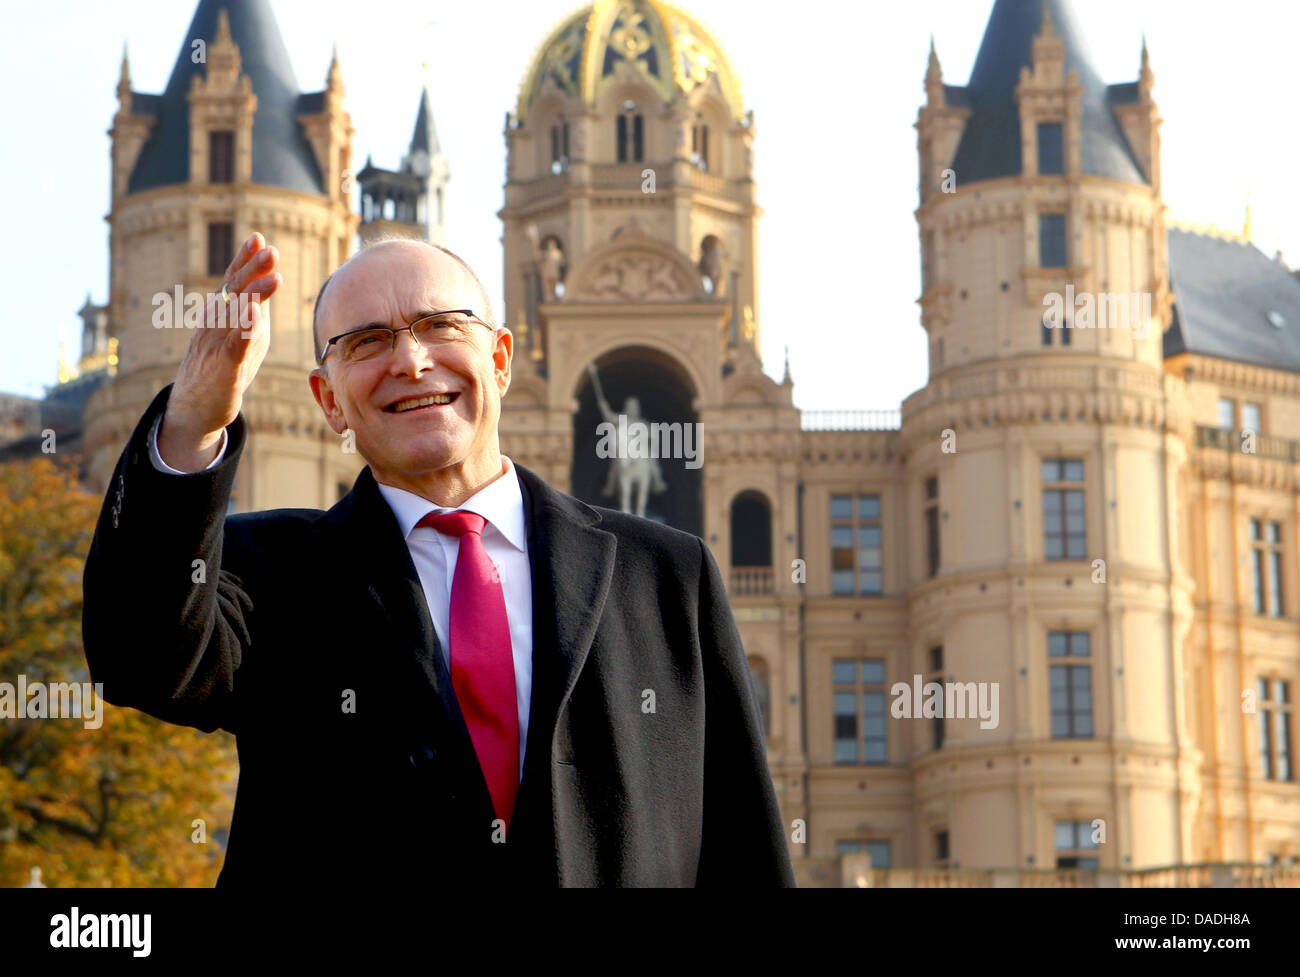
835	88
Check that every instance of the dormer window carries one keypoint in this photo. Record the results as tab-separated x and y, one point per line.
1051	149
221	156
700	145
630	133
560	146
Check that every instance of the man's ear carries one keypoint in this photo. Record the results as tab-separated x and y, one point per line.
502	355
329	405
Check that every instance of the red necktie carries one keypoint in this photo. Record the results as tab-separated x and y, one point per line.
482	663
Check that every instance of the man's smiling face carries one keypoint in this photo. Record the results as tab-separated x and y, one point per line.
441	448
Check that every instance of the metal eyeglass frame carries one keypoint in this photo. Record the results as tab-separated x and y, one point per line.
409	327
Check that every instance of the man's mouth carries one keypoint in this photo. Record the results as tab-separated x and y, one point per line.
421	403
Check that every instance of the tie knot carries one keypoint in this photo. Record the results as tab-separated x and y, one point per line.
456	523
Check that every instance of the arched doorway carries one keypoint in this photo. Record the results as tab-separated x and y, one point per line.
639	381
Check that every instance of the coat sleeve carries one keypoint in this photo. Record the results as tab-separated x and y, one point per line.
743	841
163	633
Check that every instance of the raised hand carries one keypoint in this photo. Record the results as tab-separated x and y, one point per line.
221	360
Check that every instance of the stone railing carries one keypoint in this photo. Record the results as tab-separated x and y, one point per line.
750	581
854	871
851	420
1266	446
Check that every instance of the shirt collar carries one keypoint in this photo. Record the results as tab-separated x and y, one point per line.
500	502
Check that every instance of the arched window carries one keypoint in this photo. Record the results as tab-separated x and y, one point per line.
560	145
630	134
751	531
763	690
711	264
700	143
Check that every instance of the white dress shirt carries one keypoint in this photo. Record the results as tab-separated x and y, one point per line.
505	540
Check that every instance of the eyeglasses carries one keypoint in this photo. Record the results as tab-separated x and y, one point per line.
434	329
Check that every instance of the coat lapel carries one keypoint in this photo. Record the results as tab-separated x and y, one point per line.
571	566
368	543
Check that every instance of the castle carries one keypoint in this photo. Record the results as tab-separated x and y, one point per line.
1092	528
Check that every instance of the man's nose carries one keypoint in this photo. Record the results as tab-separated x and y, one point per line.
410	356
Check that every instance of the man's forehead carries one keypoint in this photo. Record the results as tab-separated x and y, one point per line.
397	277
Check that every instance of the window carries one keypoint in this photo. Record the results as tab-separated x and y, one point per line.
221	157
942	851
221	248
1074	845
1051	148
560	146
878	850
751	531
859	702
1070	683
1250	417
1064	529
630	133
1051	241
856	562
700	145
1275	729
1063	328
1266	567
1227	414
932	526
936	675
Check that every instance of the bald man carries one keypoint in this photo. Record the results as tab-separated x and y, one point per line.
455	675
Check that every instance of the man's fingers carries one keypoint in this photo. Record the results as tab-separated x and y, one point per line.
264	286
260	264
252	245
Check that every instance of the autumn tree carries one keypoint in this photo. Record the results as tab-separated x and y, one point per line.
107	806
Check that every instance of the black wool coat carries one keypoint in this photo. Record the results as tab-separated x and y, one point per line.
301	608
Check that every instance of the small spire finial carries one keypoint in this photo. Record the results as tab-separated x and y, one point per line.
786	378
334	77
933	71
1049	28
1246	230
223	26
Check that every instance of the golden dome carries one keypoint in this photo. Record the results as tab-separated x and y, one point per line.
673	52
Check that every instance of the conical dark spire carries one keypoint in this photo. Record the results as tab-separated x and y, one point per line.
425	136
990	144
282	156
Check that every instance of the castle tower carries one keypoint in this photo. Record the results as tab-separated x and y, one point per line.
229	147
631	288
630	224
410	201
1045	297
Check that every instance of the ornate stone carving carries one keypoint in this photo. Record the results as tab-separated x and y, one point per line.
638	277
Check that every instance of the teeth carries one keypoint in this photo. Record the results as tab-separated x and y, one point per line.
405	405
